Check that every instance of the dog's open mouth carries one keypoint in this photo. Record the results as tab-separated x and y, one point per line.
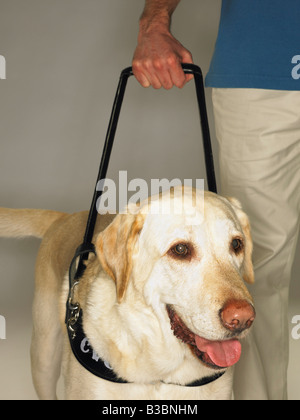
215	354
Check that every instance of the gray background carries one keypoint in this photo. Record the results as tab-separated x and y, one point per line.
63	61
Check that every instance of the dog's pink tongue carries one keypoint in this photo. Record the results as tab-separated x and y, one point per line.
222	353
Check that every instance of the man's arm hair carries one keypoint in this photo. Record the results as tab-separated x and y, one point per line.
158	12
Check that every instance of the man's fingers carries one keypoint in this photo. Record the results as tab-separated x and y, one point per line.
142	79
162	70
179	78
160	74
139	73
153	74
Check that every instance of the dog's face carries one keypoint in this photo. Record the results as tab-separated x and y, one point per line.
189	265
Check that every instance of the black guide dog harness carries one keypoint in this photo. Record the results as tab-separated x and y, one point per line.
79	343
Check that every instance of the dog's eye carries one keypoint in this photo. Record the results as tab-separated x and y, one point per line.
237	245
180	249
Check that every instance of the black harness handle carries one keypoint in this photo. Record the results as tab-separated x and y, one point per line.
86	247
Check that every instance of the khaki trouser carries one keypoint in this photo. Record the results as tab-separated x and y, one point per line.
259	141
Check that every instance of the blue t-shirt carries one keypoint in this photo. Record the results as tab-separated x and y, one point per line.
258	45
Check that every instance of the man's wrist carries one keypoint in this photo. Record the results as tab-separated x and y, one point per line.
160	23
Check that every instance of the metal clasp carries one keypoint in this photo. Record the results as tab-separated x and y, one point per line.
75	273
73	310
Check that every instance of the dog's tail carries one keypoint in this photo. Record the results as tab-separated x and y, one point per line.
19	223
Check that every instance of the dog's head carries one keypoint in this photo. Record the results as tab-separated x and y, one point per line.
187	255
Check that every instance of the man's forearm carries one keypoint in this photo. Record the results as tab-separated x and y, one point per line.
157	13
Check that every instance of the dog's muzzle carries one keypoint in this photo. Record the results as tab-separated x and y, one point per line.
215	354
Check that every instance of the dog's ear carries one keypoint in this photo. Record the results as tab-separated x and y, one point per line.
115	246
248	272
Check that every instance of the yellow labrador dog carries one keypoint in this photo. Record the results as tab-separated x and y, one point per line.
163	302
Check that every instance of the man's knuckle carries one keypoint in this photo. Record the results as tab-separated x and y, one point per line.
188	56
158	64
137	64
172	60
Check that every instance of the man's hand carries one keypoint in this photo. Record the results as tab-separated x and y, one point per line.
157	61
158	56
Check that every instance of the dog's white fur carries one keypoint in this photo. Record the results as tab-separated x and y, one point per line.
125	290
